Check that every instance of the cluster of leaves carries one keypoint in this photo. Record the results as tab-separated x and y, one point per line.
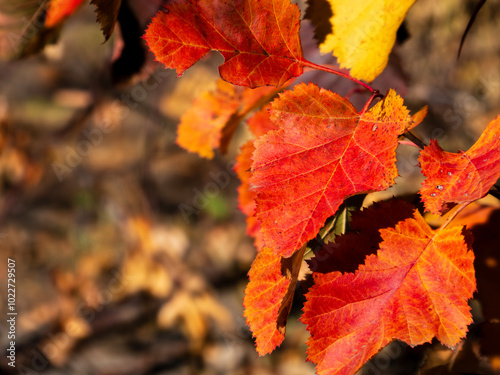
313	150
391	276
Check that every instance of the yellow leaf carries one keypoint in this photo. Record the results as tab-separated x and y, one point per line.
364	33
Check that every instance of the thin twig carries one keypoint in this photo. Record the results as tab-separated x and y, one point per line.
476	10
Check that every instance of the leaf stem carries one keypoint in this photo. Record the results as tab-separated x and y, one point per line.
412	137
370	100
341	74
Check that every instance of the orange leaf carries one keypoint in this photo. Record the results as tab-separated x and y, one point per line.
259	124
242	167
214	116
258	39
201	125
58	10
323	152
415	288
418	117
463	177
250	99
246	197
269	296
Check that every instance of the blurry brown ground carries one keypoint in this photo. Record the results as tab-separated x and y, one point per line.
111	276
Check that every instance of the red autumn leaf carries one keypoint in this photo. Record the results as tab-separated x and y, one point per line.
462	177
323	152
214	116
258	39
415	288
58	10
269	296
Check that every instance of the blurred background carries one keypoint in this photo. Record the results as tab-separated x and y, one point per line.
130	252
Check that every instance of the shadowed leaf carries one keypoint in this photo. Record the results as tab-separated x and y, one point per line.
107	15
